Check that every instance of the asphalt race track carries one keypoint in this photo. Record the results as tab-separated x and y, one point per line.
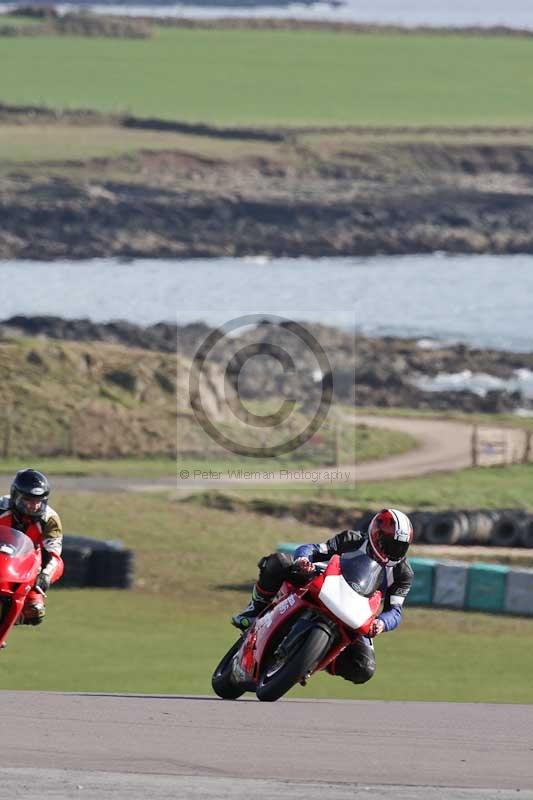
92	746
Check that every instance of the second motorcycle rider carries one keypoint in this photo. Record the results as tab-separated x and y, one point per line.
387	541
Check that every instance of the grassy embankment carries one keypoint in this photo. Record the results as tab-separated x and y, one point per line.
248	77
369	443
118	416
194	567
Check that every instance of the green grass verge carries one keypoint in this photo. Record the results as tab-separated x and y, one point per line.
483	487
11	19
194	567
120	467
490	420
279	77
133	642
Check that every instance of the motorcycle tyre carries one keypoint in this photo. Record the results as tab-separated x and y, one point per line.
222	681
312	650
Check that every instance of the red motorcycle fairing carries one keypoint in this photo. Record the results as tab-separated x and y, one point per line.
266	627
291	603
20	563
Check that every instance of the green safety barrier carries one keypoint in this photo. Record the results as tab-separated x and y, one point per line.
488	586
421	593
485	588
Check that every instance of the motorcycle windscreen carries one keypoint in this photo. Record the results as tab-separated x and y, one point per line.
14	543
347	605
363	573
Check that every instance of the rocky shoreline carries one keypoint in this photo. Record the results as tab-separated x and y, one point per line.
367	372
111	219
277	193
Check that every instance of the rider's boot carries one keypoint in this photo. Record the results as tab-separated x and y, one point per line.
260	600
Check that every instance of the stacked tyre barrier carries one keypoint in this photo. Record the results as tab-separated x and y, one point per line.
506	527
96	563
468	586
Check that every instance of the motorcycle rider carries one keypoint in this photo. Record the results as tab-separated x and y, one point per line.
387	541
26	509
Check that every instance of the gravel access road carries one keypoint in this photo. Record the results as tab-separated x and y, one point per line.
443	445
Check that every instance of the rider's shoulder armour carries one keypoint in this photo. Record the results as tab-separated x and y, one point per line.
51	521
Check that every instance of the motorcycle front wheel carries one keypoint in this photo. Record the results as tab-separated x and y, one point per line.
222	681
283	671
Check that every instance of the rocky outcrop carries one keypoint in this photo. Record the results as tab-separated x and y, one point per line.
362	193
103	219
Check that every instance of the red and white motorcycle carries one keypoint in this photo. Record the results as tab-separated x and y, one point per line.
303	630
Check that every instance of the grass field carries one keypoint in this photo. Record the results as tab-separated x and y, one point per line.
130	642
483	487
255	77
194	569
63	142
70	145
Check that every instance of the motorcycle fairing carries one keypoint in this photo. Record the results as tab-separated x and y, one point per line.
20	563
17	558
350	607
249	657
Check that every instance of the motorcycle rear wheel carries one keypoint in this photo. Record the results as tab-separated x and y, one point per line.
279	676
222	680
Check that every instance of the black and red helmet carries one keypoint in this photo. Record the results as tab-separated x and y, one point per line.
29	493
389	534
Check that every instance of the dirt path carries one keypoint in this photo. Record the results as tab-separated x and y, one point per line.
443	445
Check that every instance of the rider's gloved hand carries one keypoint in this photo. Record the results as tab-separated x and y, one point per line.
42	584
377	627
301	572
303	566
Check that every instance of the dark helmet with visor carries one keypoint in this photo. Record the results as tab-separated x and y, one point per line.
29	493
